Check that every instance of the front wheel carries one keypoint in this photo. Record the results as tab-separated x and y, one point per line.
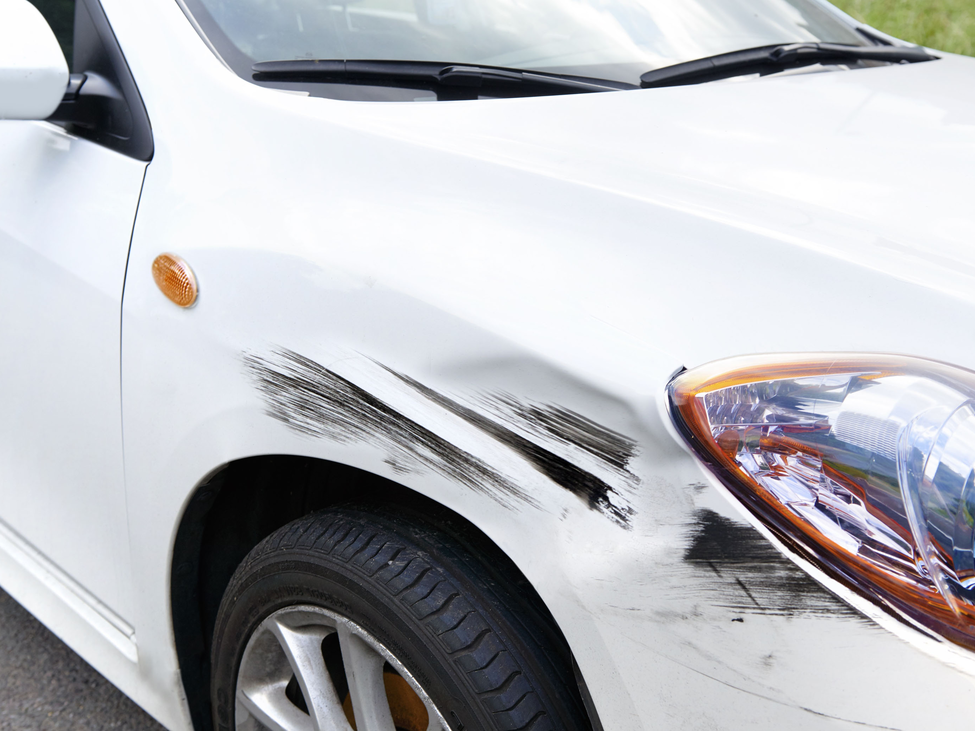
352	619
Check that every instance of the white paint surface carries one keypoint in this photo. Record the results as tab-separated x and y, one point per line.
571	250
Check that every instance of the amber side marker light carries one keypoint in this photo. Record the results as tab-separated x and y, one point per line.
863	465
175	279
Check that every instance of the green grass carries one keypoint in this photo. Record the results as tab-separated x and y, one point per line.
948	25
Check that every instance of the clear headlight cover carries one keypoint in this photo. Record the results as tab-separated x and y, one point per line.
864	465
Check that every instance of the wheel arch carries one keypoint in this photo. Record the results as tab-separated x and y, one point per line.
240	503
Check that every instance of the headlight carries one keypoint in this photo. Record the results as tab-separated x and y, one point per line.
863	465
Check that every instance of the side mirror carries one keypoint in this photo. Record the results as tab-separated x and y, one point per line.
33	72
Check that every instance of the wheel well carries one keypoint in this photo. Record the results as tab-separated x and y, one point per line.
245	501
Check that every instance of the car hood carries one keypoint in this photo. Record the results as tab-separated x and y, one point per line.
875	166
787	185
750	215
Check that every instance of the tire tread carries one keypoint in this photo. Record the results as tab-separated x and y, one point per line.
433	595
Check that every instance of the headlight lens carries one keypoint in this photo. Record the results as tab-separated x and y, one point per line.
865	465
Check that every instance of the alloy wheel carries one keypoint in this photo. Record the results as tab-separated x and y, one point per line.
308	669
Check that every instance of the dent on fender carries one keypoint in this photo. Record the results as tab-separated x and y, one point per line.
595	491
314	401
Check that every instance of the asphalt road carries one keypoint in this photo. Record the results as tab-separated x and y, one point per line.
44	685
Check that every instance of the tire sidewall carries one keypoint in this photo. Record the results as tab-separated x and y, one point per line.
480	649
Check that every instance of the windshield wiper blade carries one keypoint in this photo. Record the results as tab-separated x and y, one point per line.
772	59
431	75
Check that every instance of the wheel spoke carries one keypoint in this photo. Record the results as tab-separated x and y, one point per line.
304	650
269	705
364	671
298	647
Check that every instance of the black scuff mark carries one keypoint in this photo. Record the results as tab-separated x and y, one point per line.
314	401
747	592
597	493
614	450
747	573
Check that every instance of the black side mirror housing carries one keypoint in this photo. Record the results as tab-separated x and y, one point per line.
92	102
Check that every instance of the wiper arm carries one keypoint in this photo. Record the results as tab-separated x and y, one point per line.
772	59
463	79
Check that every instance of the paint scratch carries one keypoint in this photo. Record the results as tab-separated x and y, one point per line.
566	427
597	493
312	400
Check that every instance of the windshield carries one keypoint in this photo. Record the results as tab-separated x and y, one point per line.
610	39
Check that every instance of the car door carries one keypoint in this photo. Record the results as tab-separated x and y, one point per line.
68	200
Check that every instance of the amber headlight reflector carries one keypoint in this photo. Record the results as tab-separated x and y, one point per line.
865	465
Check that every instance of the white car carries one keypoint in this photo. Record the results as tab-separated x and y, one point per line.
343	362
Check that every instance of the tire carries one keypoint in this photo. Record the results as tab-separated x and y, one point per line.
355	597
